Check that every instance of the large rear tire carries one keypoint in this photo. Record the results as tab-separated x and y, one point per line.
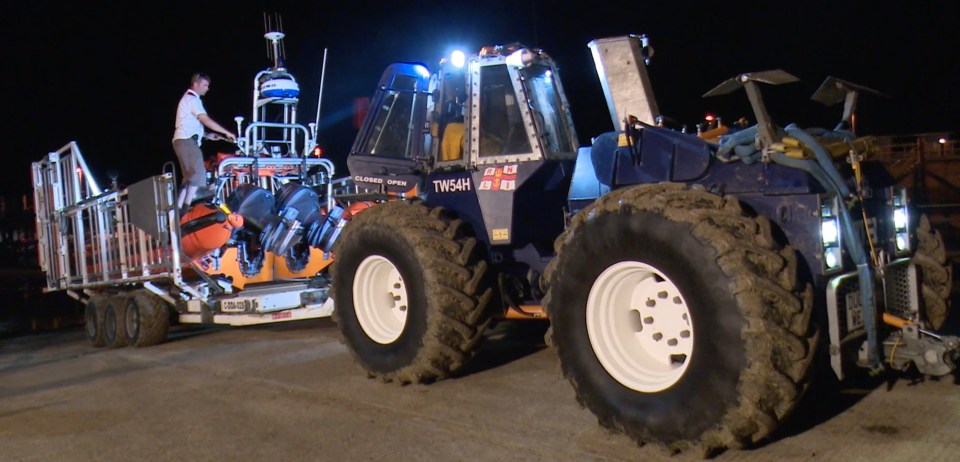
147	319
93	320
936	274
411	292
678	319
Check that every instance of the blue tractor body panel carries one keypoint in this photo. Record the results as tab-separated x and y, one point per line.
788	197
510	206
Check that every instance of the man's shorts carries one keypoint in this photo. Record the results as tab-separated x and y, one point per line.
191	162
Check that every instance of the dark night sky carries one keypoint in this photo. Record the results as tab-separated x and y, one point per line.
110	76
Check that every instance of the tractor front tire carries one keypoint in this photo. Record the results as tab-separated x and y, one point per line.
678	319
411	291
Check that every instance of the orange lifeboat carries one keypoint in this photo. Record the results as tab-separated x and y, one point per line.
205	228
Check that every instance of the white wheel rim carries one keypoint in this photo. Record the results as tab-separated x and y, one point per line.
380	299
639	326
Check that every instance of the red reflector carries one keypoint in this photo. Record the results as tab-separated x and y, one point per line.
317	151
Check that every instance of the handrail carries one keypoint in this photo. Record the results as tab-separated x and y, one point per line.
250	135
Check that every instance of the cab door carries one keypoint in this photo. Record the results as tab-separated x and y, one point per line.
389	148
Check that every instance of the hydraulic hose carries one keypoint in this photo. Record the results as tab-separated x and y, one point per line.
730	142
822	158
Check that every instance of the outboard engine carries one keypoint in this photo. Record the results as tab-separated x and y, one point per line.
298	208
287	225
324	233
257	207
255	204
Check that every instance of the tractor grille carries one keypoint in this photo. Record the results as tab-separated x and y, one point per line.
901	288
898	296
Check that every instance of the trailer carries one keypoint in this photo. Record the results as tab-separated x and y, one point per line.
247	254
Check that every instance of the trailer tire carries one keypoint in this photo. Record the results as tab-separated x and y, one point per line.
411	292
147	319
936	274
114	314
93	320
677	320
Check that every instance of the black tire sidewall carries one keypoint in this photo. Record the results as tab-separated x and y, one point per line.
373	239
93	321
154	319
114	322
708	387
109	324
132	309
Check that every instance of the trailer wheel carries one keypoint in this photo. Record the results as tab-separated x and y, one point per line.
411	292
936	274
93	320
114	314
678	320
147	319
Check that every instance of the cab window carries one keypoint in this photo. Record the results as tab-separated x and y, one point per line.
547	109
501	125
393	127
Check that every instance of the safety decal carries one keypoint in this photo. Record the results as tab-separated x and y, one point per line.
378	180
499	178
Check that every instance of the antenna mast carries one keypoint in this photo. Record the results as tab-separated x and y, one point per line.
273	32
273	130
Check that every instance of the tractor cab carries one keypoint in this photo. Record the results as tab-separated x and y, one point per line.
477	136
505	105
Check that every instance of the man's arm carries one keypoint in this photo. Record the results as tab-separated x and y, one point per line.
213	125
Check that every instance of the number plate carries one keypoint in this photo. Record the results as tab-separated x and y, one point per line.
239	305
854	312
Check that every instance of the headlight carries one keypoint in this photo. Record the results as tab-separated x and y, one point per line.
457	58
829	232
899	219
901	222
521	58
832	258
830	235
903	242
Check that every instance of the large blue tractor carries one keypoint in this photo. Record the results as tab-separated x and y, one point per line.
689	283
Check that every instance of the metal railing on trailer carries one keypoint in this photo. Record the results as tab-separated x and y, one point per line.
89	237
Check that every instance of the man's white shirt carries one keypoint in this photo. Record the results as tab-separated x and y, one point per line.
188	117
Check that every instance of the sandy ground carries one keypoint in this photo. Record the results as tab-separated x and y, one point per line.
292	392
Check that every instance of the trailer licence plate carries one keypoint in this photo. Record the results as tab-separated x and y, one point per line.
854	311
239	305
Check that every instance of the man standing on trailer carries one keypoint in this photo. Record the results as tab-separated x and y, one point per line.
191	118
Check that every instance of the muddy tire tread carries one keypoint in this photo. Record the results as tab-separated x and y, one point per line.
455	277
779	338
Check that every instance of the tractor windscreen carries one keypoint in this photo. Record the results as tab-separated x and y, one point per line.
393	128
547	109
501	124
